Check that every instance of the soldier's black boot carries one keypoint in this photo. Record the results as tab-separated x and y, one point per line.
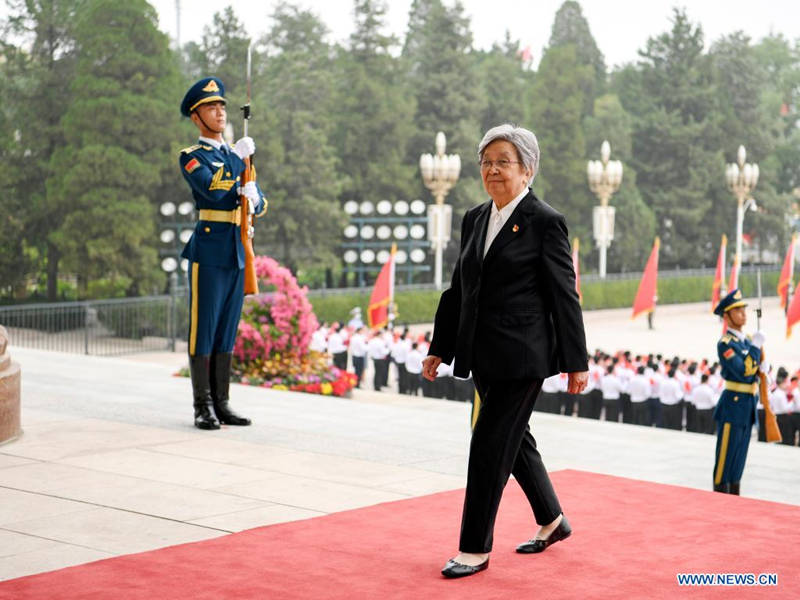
734	489
199	366
722	487
220	383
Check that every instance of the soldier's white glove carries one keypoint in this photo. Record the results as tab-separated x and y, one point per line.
758	339
250	191
244	147
765	368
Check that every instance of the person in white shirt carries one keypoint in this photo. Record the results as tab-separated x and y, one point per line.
358	353
704	399
444	387
611	387
653	403
336	347
639	391
585	397
399	350
378	351
779	401
625	374
319	339
413	366
548	400
670	394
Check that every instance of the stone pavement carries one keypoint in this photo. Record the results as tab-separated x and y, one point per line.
110	464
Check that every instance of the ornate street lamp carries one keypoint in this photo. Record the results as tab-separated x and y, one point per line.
741	178
439	173
604	179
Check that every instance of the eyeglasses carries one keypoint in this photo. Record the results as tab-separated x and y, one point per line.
500	164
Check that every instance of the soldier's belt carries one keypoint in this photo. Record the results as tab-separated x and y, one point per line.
744	388
221	216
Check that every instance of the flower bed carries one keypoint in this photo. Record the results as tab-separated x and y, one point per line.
275	330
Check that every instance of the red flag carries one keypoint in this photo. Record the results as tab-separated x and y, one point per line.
576	266
733	282
719	274
645	301
793	314
382	295
787	273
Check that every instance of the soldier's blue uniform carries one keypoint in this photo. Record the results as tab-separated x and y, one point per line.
215	250
735	412
216	261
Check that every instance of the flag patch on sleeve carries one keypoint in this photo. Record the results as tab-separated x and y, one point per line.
192	165
728	353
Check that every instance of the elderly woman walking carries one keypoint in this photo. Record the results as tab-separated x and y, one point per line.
512	317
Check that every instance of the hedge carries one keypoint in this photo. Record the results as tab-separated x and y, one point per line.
420	306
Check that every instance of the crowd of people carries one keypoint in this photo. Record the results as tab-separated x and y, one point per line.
649	390
670	392
395	355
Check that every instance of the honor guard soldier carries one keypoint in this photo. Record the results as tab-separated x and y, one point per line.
215	251
735	414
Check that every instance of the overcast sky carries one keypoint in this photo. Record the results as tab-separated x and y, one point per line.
620	27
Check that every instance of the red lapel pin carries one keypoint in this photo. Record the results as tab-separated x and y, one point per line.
515	228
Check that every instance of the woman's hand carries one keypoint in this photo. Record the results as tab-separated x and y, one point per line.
577	382
429	366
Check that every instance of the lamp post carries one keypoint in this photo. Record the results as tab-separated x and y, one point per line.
604	179
439	173
374	228
178	224
742	178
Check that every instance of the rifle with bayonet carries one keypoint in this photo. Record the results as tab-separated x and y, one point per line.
773	432
247	218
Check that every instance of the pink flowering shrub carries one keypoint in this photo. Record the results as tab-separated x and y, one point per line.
274	333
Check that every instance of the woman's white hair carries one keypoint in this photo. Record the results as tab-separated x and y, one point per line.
523	140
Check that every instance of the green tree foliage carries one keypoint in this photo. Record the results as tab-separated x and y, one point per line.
221	53
505	83
676	152
118	130
556	115
570	27
634	228
89	131
751	115
442	74
298	167
373	122
36	74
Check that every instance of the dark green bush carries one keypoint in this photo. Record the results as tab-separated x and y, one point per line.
420	306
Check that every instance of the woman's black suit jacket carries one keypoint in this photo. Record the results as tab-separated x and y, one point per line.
514	314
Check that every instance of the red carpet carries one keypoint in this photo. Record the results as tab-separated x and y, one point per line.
630	540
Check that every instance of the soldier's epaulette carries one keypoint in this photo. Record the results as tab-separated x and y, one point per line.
726	339
191	149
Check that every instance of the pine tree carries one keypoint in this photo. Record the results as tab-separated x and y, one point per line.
571	27
556	114
442	73
118	129
374	119
292	127
676	151
36	75
505	83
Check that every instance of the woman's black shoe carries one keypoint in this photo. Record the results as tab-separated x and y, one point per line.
562	532
453	569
